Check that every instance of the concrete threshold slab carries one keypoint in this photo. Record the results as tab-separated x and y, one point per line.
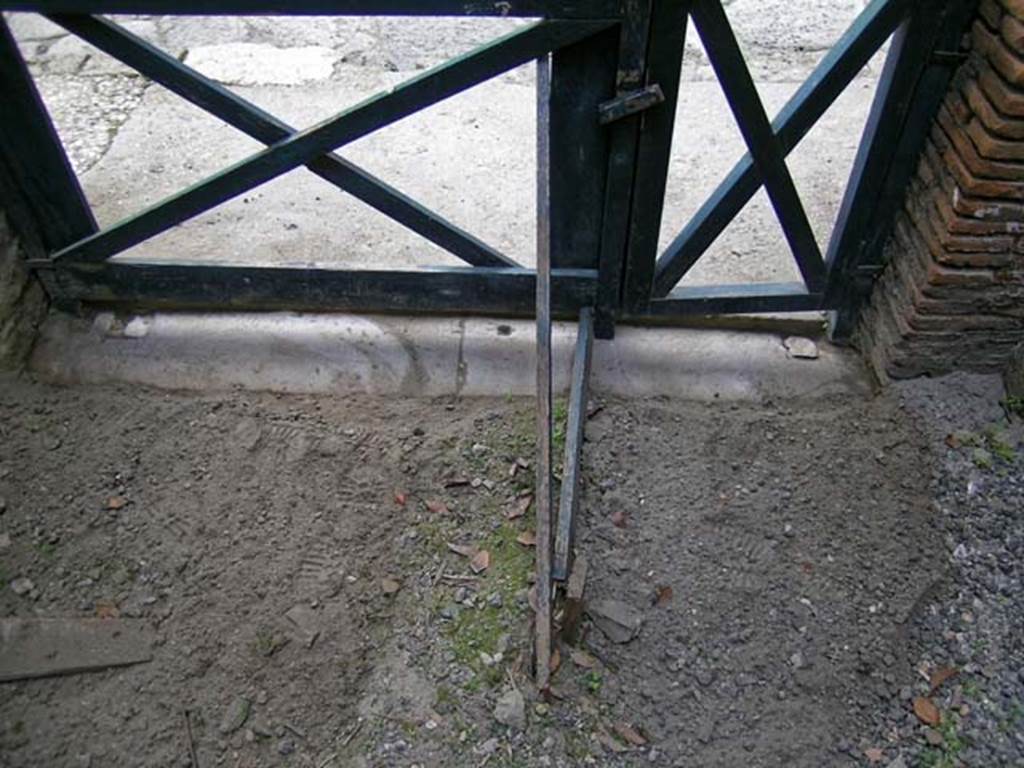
425	357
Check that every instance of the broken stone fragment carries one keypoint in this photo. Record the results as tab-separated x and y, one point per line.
235	715
801	348
619	621
510	710
306	622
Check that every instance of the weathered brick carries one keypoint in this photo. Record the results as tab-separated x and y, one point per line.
933	169
975	186
990	251
1004	97
991	13
994	121
1011	29
967	225
954	137
993	147
1014	7
1009	64
952	293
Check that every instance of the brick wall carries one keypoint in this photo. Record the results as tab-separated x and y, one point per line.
952	295
22	302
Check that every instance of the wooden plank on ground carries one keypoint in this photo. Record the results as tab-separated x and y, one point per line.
32	648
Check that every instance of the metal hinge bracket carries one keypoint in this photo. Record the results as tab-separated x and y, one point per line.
630	104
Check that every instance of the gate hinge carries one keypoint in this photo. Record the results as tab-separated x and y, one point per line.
629	104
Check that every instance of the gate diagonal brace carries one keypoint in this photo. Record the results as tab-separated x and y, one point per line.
572	465
630	104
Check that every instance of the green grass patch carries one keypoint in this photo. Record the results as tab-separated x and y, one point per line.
477	630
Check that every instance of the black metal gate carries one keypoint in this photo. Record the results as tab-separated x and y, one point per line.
607	94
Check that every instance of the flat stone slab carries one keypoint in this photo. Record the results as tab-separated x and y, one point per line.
32	648
262	64
427	357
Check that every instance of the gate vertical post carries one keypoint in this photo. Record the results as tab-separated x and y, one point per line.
37	186
624	135
910	90
581	77
664	62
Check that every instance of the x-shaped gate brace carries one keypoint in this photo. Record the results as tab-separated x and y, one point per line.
608	87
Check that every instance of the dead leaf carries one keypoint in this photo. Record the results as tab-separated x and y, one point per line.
531	598
437	507
663	595
116	502
481	561
521	508
629	734
582	658
556	661
952	441
609	743
107	609
941	675
400	498
807	567
619	518
527	539
389	586
926	711
874	755
466	550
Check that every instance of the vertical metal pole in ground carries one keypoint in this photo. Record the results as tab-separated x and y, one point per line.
543	463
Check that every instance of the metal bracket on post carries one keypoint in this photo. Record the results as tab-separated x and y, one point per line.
630	103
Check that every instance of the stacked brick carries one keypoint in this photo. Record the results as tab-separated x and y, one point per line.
952	294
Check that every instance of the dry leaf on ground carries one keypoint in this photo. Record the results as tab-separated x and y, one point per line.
582	659
466	550
619	519
556	661
663	595
874	755
116	502
926	711
481	561
107	609
527	539
400	498
941	675
437	507
606	741
629	734
522	506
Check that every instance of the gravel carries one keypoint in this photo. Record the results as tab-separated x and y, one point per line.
972	620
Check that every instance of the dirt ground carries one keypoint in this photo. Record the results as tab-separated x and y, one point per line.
292	556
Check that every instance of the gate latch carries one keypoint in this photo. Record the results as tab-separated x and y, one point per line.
629	104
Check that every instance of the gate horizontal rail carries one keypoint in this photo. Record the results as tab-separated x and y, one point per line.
607	108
